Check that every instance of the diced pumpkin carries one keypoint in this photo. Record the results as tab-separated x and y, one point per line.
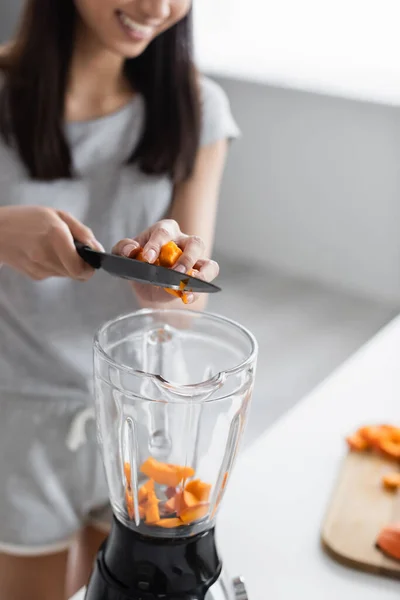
391	481
390	449
389	541
165	474
169	255
130	505
169	523
195	513
357	443
152	513
374	434
395	435
199	489
180	502
144	491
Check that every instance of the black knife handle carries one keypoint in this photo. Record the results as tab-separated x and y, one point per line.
91	257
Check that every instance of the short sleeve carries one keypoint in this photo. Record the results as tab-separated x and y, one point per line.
218	122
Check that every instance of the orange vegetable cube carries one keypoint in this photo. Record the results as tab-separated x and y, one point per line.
389	541
357	443
391	449
169	255
130	505
169	523
391	481
199	489
152	513
194	513
165	474
373	435
144	490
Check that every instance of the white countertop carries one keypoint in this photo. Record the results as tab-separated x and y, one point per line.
349	48
269	526
280	490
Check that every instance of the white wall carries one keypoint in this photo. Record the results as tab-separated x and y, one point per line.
9	13
313	188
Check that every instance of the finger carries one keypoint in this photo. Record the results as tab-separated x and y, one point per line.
193	250
80	232
63	242
125	247
164	232
208	270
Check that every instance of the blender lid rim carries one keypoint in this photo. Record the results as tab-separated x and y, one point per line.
149	311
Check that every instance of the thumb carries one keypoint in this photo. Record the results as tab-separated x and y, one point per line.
80	232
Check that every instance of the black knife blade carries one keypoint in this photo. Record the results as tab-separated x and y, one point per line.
129	268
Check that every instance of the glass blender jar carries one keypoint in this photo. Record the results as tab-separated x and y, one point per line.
172	389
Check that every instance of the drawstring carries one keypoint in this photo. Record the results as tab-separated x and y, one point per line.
77	432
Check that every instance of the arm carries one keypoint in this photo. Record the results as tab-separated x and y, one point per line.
195	204
190	222
195	201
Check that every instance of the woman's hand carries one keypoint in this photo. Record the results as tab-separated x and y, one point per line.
192	258
39	242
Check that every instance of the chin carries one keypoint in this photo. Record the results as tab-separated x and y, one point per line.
129	50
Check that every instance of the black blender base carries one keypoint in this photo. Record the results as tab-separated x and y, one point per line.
130	566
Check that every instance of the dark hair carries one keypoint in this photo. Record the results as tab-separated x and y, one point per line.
32	100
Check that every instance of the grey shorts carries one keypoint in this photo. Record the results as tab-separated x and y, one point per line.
52	480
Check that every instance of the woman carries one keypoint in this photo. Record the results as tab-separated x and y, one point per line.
104	124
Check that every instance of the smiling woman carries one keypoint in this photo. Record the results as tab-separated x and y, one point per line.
108	136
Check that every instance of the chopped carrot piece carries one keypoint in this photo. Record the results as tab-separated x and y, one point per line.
165	474
152	512
373	435
389	541
195	513
169	255
187	472
130	506
144	490
390	449
180	502
199	489
357	443
391	481
169	523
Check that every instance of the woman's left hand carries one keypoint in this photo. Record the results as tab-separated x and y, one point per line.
192	258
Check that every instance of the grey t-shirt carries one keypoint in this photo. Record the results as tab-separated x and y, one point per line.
47	327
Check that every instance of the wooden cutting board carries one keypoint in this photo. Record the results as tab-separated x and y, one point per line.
359	508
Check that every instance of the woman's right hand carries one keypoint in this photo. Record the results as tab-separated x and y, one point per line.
39	242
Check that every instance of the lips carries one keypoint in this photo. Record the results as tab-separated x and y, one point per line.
137	30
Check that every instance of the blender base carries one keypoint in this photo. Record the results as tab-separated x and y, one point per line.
130	566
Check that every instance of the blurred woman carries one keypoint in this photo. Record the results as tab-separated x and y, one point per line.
108	136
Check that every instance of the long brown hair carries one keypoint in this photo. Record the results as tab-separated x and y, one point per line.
35	71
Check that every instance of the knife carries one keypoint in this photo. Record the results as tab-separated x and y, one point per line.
129	268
